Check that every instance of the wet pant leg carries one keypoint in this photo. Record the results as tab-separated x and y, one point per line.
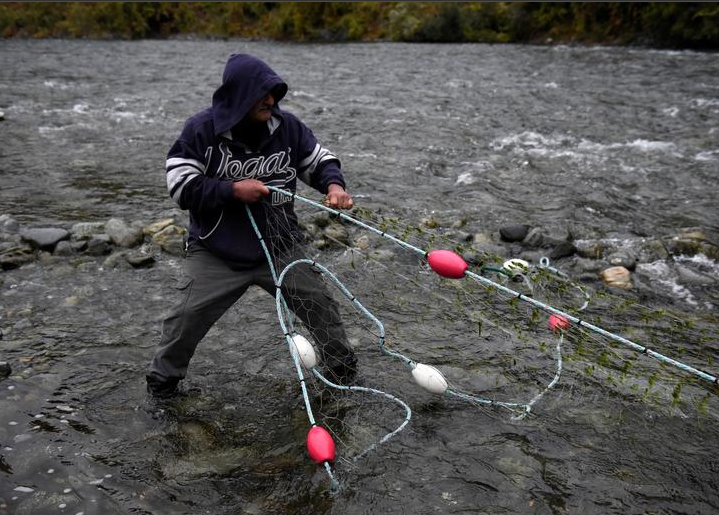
308	298
208	290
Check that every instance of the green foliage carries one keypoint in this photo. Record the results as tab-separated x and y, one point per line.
671	25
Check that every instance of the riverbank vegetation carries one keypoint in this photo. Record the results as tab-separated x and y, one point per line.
661	25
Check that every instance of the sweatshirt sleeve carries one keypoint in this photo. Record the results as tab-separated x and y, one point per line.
318	167
187	183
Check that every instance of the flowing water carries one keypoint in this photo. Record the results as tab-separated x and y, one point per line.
600	142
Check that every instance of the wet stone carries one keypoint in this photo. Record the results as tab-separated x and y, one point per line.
623	258
122	234
98	247
157	226
171	240
44	238
591	249
8	224
16	256
337	233
5	369
534	238
86	230
652	250
616	276
140	260
515	232
563	249
64	248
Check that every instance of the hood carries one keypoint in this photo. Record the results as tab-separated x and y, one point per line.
245	81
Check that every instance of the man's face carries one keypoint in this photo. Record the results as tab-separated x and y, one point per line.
261	112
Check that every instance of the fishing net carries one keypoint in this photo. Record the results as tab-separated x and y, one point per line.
498	337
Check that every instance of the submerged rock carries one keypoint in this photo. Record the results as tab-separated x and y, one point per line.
8	224
16	256
5	369
623	258
338	233
515	232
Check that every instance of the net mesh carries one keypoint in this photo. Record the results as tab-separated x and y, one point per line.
494	350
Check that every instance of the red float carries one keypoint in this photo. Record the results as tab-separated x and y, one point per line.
320	445
558	323
447	263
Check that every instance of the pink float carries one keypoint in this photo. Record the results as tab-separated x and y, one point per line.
447	263
320	445
558	323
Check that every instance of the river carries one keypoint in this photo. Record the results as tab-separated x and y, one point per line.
612	144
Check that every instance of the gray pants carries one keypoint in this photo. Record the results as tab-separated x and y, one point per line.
213	285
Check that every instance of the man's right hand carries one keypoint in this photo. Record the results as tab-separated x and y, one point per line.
249	190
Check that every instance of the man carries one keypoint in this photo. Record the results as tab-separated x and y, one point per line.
222	162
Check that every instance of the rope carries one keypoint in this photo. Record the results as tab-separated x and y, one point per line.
544	307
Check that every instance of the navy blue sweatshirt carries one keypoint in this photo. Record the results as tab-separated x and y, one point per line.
208	156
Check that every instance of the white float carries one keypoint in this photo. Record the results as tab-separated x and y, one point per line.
305	351
429	378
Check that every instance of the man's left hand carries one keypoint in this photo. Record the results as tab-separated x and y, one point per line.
338	198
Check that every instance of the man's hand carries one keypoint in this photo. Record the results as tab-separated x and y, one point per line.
338	198
249	190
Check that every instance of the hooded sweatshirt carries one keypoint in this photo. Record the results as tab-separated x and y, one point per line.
209	155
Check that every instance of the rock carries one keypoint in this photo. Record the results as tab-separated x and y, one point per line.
122	234
623	258
588	266
616	276
692	277
45	238
140	260
481	237
381	255
8	224
592	249
78	246
693	235
515	232
86	230
563	249
98	247
311	230
2	116
362	242
534	238
64	248
491	249
5	369
156	227
321	220
320	244
16	256
652	250
336	232
116	260
677	246
171	240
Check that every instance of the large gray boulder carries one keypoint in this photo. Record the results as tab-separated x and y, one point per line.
44	239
